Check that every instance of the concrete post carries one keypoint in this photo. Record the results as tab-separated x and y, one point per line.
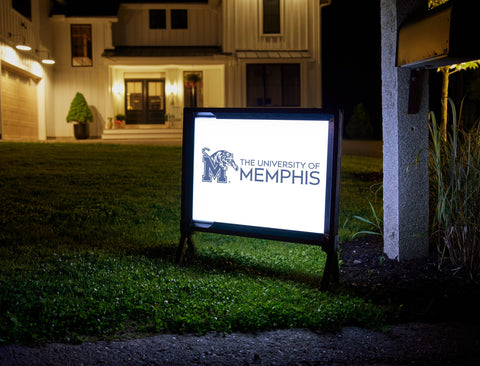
405	184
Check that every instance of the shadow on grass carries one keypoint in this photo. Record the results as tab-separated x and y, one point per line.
254	269
213	262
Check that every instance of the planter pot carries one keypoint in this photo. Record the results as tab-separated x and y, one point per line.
81	131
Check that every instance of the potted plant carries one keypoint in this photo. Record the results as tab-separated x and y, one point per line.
120	120
81	114
192	81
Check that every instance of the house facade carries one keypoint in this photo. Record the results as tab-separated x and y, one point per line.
146	61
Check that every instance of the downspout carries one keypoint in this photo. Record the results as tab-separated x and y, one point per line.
319	81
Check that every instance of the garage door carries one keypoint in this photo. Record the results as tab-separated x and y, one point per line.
19	105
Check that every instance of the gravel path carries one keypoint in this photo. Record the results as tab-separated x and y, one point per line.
406	344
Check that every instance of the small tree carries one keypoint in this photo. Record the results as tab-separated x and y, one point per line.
79	110
434	3
446	72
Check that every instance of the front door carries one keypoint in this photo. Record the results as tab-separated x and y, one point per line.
145	101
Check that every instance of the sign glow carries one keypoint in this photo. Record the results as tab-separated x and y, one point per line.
268	173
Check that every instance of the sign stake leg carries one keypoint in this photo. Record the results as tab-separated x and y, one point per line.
185	246
331	271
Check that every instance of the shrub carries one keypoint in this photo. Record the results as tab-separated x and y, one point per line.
79	110
455	181
359	125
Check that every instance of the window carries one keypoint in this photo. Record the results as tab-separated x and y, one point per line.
271	16
24	7
158	19
81	44
273	85
179	19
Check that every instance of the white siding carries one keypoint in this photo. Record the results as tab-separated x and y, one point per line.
133	28
243	27
92	81
36	32
214	88
299	42
233	24
11	29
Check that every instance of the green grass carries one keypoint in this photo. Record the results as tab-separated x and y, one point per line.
361	184
88	234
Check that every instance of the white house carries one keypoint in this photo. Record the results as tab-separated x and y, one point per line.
148	60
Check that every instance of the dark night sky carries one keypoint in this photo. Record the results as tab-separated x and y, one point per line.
351	57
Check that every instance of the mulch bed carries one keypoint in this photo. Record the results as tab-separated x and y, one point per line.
417	288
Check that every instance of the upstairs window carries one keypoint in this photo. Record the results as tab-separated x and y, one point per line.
158	19
81	44
179	18
271	17
24	7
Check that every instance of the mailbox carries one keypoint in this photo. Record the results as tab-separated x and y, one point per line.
445	36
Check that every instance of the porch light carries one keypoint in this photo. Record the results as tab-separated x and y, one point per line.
118	88
172	88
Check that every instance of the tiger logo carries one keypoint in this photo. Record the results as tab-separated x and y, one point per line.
216	165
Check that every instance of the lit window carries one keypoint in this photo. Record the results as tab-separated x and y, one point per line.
81	45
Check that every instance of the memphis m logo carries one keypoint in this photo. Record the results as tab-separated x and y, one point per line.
216	165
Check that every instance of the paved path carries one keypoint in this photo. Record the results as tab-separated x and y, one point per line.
404	344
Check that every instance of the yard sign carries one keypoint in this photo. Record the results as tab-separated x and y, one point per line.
264	173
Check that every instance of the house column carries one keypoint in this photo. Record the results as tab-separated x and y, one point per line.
405	184
174	96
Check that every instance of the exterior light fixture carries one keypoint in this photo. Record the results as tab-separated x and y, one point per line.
172	88
22	45
45	60
48	61
118	89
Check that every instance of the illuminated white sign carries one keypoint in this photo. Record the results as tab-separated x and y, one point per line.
269	173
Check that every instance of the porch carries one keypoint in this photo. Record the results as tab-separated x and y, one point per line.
144	133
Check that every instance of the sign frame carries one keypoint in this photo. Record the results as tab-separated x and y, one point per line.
328	239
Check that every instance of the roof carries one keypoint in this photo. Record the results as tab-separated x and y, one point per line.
165	2
100	8
163	51
274	54
86	8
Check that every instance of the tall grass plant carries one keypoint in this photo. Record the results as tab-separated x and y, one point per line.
455	184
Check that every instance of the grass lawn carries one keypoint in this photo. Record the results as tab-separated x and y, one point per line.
88	234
